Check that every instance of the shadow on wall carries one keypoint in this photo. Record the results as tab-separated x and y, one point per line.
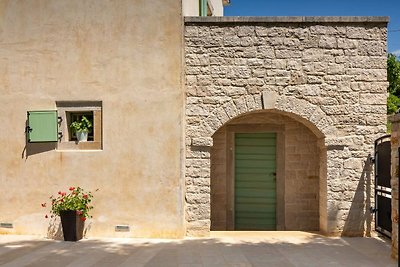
35	148
359	219
54	230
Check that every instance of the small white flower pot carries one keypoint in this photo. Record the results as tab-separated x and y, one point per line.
82	136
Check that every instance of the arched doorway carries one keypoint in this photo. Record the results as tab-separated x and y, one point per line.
268	172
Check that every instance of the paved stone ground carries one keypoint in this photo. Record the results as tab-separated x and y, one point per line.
222	249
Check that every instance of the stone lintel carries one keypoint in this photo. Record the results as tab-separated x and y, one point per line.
290	19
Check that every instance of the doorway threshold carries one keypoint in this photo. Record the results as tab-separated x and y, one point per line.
263	234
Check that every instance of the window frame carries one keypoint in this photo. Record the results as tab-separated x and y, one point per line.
67	108
72	116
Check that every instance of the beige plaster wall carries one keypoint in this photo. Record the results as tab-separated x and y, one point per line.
216	7
300	166
191	7
124	53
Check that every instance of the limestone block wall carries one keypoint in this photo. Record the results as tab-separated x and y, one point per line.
395	145
301	177
328	73
218	182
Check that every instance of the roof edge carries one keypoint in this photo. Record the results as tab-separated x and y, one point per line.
289	19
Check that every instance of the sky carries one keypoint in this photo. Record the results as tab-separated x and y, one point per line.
389	8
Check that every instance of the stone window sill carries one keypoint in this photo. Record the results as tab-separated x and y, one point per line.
65	109
72	145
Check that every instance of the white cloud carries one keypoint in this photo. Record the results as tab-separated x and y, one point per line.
396	52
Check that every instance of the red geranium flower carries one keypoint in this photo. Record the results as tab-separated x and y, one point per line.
74	198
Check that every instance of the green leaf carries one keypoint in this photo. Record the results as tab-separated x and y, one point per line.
393	103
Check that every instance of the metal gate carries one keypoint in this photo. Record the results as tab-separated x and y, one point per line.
383	191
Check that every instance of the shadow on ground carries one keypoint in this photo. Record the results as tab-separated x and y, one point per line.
307	250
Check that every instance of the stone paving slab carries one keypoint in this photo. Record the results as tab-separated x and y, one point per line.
239	249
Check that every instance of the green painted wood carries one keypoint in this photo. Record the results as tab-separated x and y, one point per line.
203	8
255	181
43	126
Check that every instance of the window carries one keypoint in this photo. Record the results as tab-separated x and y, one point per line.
74	111
77	116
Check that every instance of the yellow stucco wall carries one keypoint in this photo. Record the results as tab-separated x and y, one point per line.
124	53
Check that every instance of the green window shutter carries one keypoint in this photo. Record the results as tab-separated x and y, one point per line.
42	126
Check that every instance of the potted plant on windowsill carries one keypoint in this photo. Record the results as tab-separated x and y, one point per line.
81	128
73	209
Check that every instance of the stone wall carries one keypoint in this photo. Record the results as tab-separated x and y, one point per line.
218	182
395	144
328	73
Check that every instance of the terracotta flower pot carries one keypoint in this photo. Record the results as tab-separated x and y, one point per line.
72	225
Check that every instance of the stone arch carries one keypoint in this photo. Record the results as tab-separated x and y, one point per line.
300	109
200	142
300	170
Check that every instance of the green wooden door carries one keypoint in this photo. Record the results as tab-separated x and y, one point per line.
255	181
